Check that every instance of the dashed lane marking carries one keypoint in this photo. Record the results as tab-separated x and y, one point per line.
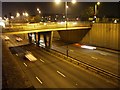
25	64
39	80
94	57
42	60
60	73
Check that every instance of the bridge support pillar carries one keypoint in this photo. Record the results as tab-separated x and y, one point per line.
38	43
50	39
48	36
45	39
35	37
30	37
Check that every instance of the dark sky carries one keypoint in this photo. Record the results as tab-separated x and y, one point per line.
105	8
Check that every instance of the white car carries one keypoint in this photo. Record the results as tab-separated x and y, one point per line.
18	39
30	56
7	38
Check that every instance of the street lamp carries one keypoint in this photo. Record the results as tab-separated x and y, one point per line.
98	3
57	1
95	13
38	10
73	1
12	17
26	14
66	7
17	14
23	14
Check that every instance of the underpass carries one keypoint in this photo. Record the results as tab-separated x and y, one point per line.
49	68
69	53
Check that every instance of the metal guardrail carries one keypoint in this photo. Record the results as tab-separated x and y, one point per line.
85	65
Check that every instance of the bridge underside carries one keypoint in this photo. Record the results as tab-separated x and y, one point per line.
47	37
71	36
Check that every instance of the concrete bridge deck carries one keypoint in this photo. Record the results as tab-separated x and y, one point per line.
20	28
22	31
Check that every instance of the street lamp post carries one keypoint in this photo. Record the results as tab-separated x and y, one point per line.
66	16
66	6
96	5
39	11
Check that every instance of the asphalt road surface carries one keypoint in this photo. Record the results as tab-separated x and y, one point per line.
102	59
52	72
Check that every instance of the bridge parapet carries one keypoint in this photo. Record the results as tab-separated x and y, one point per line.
42	27
52	25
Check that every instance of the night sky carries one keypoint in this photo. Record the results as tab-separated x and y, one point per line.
109	9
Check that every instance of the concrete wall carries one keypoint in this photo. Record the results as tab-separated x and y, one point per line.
103	35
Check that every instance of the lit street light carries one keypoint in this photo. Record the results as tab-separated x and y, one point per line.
98	3
38	9
26	14
57	1
17	14
23	14
12	17
73	1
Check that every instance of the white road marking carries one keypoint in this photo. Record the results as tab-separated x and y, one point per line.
94	57
60	73
25	64
71	50
41	60
76	84
39	80
103	54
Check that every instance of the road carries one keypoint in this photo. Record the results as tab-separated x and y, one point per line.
51	72
102	59
12	42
